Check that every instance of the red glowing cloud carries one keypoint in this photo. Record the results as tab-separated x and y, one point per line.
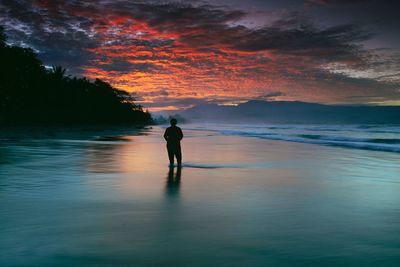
185	52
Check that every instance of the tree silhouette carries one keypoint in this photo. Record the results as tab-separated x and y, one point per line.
3	37
30	94
58	72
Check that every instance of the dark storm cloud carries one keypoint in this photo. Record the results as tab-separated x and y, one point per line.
303	38
107	34
204	27
59	38
179	15
380	16
60	33
123	66
333	2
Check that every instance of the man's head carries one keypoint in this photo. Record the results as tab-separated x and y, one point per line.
173	122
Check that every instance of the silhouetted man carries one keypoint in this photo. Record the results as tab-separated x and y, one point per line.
173	135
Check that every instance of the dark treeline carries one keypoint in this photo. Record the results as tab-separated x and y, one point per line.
30	94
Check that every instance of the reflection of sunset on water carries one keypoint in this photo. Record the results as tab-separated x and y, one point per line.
114	197
131	157
123	157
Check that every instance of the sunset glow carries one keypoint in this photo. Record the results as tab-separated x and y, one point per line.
176	55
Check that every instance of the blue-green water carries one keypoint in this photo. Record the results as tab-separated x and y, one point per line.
90	199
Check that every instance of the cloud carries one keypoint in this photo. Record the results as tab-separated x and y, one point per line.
271	96
202	52
337	2
175	103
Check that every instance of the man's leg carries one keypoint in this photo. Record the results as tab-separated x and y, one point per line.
178	155
171	156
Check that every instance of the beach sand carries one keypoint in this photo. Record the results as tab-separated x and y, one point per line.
239	201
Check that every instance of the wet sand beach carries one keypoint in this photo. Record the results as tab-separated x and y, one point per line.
111	200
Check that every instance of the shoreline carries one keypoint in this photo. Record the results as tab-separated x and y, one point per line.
77	131
117	201
110	132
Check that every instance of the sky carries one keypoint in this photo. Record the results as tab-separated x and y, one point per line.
177	54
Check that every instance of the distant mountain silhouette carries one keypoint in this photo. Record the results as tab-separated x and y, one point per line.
30	94
294	112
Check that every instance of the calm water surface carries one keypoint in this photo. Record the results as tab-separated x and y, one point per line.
100	200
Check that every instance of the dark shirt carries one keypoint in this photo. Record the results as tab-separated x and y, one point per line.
173	135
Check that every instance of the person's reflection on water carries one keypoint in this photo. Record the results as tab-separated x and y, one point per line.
173	182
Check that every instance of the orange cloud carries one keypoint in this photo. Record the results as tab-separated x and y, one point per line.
164	51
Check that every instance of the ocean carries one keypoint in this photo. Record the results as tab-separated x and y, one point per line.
247	195
371	137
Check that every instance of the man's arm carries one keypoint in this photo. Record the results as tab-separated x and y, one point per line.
166	134
180	134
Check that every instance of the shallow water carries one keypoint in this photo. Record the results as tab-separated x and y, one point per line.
102	199
368	137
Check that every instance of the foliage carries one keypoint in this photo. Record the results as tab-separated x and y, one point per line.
31	94
2	36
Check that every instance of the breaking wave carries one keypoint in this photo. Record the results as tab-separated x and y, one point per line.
370	137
